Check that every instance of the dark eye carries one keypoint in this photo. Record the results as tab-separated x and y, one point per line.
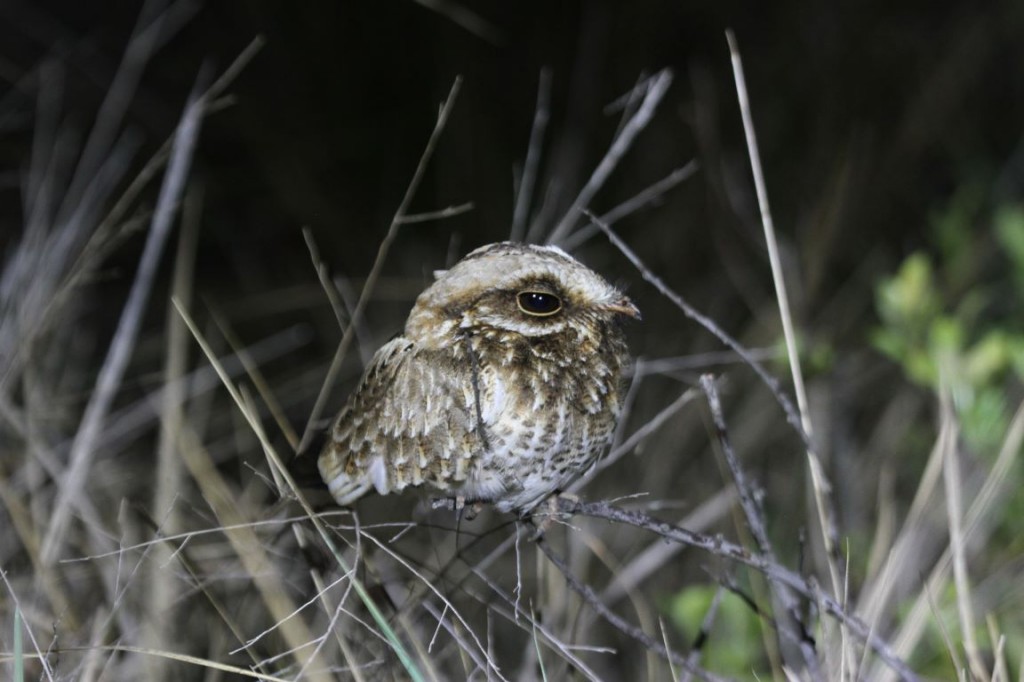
538	303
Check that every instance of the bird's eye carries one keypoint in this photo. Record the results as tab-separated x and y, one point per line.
538	303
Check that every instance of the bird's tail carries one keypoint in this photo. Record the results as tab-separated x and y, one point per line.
345	487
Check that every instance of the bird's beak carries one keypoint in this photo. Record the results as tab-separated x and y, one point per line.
624	306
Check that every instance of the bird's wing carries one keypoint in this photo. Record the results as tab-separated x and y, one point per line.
410	421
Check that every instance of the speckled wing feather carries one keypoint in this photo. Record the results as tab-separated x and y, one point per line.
406	424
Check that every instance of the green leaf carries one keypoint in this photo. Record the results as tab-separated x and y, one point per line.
733	646
988	359
908	299
954	227
985	420
1009	224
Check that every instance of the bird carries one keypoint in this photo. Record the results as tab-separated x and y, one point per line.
504	386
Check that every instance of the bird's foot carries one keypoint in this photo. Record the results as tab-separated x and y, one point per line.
459	504
549	511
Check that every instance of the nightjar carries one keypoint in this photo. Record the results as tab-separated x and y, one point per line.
504	387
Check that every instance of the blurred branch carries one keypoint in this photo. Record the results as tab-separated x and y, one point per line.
467	19
109	380
440	214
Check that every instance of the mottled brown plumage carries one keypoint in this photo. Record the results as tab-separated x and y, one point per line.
503	388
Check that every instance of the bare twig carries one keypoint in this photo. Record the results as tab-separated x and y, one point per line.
705	631
977	526
169	472
657	554
149	33
528	181
101	242
751	508
719	546
526	621
792	416
487	663
620	623
378	264
466	19
822	487
795	628
655	91
440	214
646	196
769	232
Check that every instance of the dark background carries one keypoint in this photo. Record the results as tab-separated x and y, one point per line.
868	115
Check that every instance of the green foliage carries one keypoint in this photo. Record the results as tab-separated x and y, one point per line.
733	646
951	332
952	320
1009	224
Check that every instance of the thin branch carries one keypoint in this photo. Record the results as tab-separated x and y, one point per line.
791	621
620	623
525	621
820	483
101	243
719	546
487	663
703	320
705	631
655	92
657	554
648	195
954	485
440	214
378	264
769	232
466	19
528	182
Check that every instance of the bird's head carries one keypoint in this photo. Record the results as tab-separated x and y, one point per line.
516	290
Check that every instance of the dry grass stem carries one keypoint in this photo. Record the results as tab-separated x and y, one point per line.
83	448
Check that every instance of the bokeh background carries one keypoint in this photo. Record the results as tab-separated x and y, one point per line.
890	136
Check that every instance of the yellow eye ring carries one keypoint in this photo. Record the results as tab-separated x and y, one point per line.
538	303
